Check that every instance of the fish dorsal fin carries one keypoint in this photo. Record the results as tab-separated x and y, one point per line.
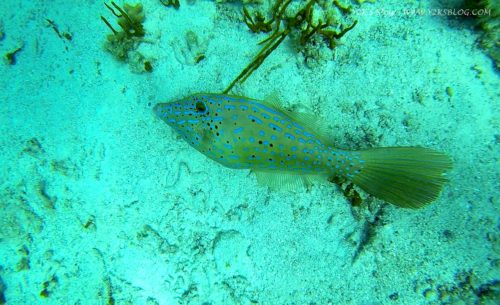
274	101
283	181
309	121
313	124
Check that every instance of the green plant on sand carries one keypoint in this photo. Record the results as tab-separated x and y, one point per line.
130	19
301	23
174	3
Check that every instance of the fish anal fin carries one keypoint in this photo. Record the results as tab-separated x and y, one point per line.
284	181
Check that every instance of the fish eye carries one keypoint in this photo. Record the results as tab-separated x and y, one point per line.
200	107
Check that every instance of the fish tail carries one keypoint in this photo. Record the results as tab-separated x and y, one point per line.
408	177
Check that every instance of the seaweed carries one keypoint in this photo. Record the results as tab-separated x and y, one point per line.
148	67
283	23
49	286
466	288
122	44
10	57
61	35
130	19
349	190
488	20
174	3
257	23
258	60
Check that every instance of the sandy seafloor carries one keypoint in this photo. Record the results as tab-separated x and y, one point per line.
101	203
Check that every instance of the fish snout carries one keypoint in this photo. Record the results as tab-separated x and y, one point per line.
162	110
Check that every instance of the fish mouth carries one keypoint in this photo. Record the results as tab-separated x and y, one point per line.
161	110
156	108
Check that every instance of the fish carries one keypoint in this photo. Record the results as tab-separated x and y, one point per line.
286	149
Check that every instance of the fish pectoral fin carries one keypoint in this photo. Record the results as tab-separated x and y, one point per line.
284	181
206	136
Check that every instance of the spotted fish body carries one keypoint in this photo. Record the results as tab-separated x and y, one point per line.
244	133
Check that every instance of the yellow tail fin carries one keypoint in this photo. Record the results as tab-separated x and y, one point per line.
409	177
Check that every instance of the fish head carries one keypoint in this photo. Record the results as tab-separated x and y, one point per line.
191	108
190	117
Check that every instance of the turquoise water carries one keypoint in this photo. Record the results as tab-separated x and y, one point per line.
103	203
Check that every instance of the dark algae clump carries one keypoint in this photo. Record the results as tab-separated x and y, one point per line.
10	57
123	43
174	3
489	23
130	19
305	22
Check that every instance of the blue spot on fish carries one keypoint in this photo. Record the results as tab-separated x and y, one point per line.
254	119
275	127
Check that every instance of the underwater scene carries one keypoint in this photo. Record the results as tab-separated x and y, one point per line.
253	152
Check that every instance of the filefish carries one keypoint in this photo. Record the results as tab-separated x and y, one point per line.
286	149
